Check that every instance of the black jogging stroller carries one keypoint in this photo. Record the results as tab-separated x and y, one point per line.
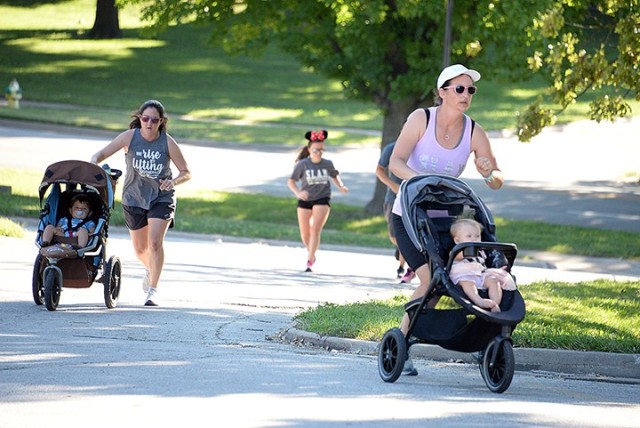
63	263
430	204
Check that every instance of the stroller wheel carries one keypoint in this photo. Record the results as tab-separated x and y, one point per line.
392	354
498	365
37	285
112	277
52	289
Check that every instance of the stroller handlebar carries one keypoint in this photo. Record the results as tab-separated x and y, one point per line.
114	173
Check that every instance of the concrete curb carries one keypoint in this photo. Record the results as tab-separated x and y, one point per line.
604	366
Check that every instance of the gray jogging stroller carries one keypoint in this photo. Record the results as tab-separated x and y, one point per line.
430	204
63	263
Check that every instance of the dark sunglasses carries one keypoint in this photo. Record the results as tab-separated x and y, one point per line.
153	120
460	89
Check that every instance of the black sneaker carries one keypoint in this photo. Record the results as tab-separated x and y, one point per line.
409	369
400	272
477	357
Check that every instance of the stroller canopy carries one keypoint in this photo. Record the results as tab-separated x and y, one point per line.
438	192
89	175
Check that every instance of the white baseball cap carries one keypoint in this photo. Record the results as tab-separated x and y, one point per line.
456	70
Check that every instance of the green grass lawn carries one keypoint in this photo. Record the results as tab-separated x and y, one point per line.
600	315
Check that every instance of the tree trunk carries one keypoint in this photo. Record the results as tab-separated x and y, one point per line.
107	24
394	117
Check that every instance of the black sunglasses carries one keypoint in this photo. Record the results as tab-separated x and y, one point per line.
460	89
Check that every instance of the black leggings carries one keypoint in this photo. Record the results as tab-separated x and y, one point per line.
411	254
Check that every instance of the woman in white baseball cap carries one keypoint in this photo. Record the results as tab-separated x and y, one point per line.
439	140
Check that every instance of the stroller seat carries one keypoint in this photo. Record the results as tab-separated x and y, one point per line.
58	208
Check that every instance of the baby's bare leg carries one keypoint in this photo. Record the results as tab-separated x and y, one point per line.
471	291
492	283
83	237
47	234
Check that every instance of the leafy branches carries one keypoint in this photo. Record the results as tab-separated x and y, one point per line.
589	46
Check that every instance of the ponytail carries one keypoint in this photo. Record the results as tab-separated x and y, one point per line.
303	153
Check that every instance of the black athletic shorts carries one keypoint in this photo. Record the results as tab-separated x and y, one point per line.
136	217
411	254
307	205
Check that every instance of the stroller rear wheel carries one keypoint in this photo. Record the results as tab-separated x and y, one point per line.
52	288
392	354
112	277
498	365
37	285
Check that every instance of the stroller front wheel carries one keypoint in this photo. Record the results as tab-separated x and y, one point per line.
392	355
52	288
112	279
498	365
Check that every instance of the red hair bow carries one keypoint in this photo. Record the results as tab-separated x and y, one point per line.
317	136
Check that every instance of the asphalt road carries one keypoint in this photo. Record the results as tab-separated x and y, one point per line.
579	174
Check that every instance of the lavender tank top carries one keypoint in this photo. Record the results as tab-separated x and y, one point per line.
429	157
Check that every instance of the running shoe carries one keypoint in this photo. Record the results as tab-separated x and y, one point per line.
409	369
477	357
152	297
408	276
309	264
400	272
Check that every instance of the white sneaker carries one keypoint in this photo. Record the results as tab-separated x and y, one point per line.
152	297
146	281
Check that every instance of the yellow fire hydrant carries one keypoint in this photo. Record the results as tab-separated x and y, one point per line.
13	94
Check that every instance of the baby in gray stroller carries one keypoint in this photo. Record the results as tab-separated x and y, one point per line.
482	285
471	268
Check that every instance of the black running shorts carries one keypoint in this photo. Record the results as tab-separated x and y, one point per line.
136	217
411	254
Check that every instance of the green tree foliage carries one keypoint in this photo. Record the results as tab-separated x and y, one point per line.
384	51
390	51
585	46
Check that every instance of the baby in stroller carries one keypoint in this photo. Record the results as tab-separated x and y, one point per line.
452	313
77	224
477	281
76	201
